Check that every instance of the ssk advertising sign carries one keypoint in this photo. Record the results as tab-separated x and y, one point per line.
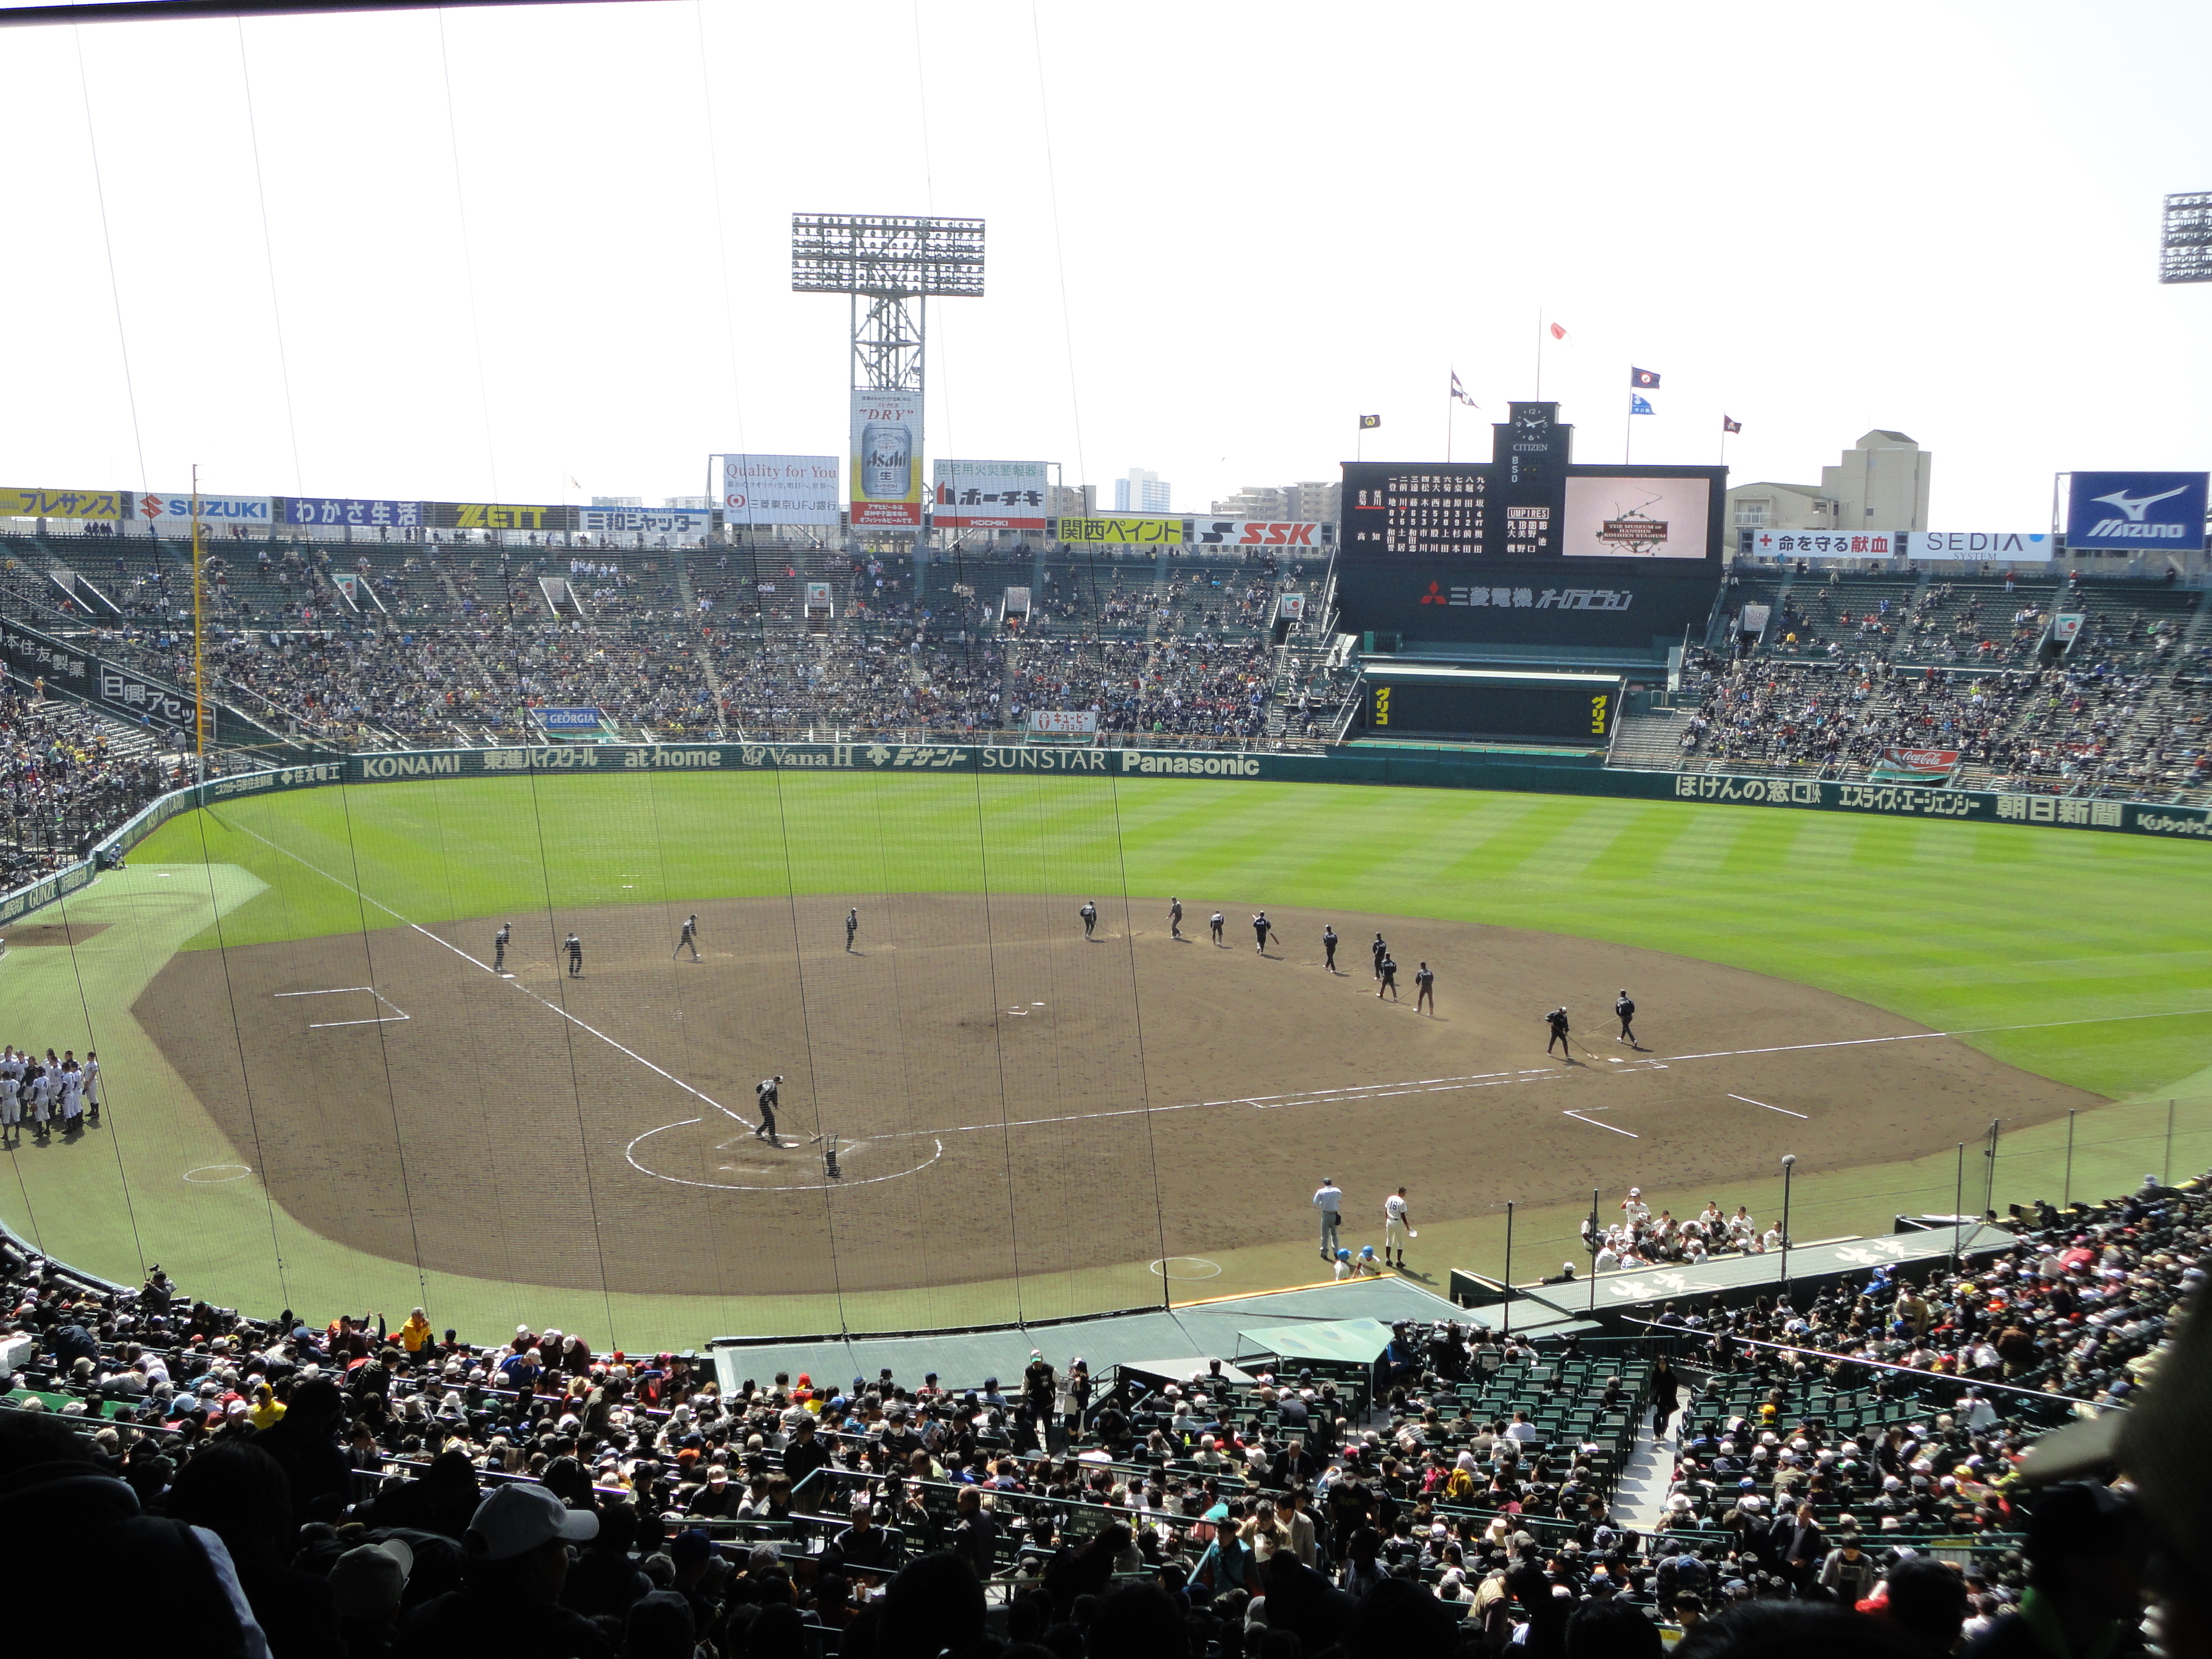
1254	532
2134	512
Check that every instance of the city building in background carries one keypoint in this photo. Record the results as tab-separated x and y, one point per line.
1141	491
1770	506
1254	501
1074	501
1881	483
1311	502
1318	503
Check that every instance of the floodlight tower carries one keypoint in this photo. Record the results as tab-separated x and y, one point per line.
896	264
2186	249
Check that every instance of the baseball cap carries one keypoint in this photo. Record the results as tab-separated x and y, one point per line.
370	1579
514	1520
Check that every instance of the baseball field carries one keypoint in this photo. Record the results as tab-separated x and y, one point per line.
324	1094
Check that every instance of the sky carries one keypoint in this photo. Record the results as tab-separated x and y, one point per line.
542	253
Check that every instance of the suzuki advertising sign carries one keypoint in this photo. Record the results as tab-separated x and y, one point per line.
174	510
2134	512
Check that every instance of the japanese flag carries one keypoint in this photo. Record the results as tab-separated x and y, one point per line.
1558	332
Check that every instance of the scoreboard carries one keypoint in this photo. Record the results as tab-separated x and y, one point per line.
1418	702
1584	555
1528	504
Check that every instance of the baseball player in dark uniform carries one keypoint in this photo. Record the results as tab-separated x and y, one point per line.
1217	922
852	925
499	946
1328	947
1090	914
1174	918
575	949
1625	1010
1557	1019
1261	928
690	936
1387	971
1378	950
764	1092
1425	990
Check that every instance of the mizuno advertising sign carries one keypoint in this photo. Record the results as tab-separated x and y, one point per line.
2134	512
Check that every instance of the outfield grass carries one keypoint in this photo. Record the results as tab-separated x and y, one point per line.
1964	927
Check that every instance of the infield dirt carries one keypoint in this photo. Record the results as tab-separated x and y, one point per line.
1005	1093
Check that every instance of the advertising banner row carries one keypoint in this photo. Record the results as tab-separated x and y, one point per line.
1400	767
1415	768
754	491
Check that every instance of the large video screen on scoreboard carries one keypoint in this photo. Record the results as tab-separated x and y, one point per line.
1628	515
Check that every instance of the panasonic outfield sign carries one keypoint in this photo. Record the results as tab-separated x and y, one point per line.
2134	512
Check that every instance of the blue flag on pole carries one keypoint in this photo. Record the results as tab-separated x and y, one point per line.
1639	405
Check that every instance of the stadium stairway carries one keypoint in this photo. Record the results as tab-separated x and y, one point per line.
1649	742
1647	1478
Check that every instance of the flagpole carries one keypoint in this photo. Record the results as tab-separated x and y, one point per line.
1539	353
1450	409
1628	430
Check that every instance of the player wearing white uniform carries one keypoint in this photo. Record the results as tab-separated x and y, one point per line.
11	1099
41	1091
72	1097
92	1085
1397	1227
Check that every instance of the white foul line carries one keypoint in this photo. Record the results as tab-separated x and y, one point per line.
337	991
1594	1124
1784	1110
516	983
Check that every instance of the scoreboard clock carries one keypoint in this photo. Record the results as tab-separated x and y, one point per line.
1578	708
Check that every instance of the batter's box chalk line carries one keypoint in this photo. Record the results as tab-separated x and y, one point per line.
629	1152
397	1014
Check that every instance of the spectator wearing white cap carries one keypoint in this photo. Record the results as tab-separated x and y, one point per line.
516	1556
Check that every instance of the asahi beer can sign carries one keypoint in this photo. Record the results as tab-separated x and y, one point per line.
886	459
